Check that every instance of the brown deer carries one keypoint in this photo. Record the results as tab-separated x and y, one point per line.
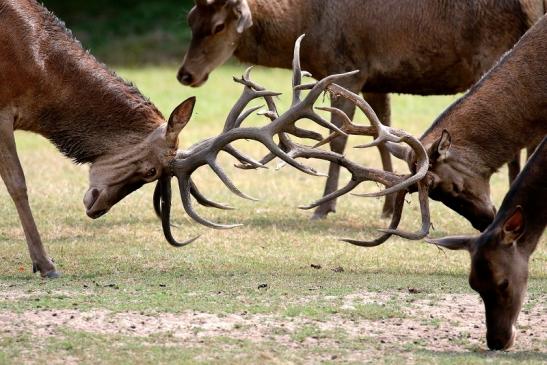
51	86
500	255
418	47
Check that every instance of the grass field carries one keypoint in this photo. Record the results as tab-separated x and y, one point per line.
248	295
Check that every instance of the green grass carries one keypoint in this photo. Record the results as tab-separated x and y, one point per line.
122	264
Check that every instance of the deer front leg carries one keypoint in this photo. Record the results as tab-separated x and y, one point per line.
14	178
337	145
380	104
514	168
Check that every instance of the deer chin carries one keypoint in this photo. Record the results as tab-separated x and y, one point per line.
92	202
198	83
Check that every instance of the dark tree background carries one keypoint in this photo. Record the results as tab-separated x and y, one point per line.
128	32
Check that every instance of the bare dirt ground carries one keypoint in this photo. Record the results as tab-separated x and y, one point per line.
432	323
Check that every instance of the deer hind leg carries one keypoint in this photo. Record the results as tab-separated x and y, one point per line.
514	168
381	105
12	174
337	145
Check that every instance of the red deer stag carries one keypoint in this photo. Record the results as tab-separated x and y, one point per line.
51	86
476	135
417	47
500	255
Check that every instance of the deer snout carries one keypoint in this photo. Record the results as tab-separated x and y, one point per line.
501	342
90	200
187	78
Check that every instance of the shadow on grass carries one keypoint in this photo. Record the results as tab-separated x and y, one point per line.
452	357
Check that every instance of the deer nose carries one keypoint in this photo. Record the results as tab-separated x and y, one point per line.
185	77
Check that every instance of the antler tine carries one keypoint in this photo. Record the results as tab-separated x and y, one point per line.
297	71
395	220
243	159
423	193
387	134
226	180
165	210
201	199
185	186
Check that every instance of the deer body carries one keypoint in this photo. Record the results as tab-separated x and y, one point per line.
419	47
502	114
51	86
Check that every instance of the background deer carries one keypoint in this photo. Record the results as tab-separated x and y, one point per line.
51	86
418	47
500	255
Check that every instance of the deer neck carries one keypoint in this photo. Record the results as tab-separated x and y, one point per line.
274	31
77	103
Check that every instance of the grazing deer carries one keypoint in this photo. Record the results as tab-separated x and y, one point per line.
51	86
500	255
418	47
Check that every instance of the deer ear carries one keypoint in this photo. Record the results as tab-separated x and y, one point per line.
178	120
244	16
444	144
513	228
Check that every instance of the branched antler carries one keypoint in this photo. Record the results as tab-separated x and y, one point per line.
205	152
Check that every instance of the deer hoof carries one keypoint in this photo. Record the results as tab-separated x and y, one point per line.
52	275
322	213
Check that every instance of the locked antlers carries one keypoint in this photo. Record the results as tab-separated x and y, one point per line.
282	125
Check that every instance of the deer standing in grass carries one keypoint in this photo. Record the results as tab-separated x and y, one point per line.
51	86
500	255
418	47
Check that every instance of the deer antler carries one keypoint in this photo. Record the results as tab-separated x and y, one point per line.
205	152
394	183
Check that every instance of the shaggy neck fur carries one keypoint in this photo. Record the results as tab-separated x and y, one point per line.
85	110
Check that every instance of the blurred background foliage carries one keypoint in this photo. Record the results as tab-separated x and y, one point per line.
128	32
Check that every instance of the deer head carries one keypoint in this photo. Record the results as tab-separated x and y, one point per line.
115	175
499	273
216	28
457	185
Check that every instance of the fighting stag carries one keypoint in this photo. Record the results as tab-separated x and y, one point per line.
205	152
500	255
51	86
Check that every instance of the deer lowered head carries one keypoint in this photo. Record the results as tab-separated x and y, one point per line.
115	175
456	183
216	27
500	255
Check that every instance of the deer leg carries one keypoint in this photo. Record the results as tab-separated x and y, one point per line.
337	145
514	168
14	178
380	104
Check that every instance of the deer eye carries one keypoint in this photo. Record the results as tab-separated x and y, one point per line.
218	28
150	173
503	285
